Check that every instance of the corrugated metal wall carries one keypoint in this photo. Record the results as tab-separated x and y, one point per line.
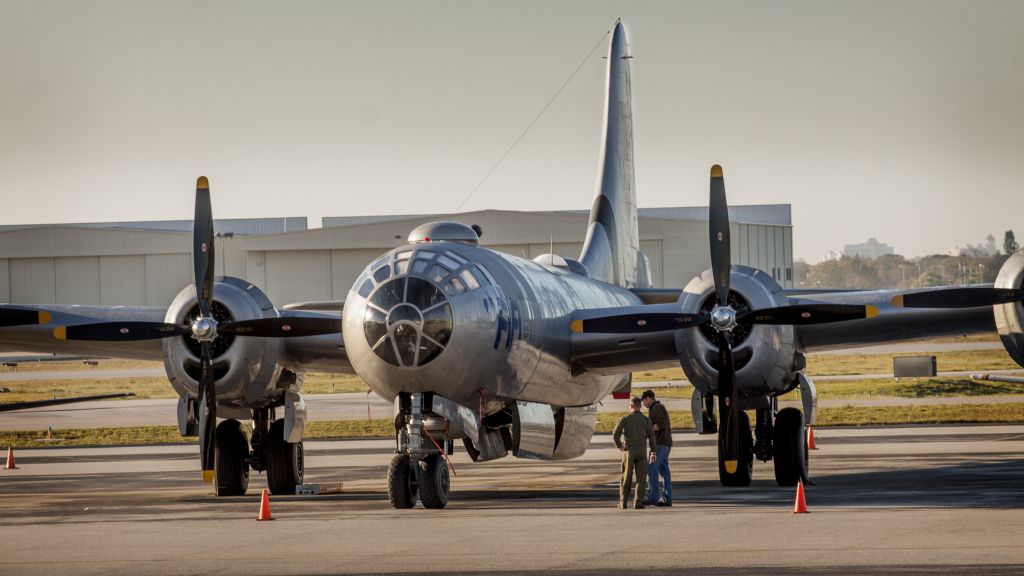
5	281
33	281
77	280
121	267
166	275
295	276
123	280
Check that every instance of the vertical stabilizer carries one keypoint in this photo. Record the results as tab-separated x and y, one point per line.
612	248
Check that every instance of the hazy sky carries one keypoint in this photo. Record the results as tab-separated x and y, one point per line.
897	120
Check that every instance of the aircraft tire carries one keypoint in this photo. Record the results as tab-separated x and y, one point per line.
789	447
745	469
232	464
435	483
401	482
284	461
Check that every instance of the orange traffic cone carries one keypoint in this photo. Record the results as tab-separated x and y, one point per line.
10	459
800	507
265	507
810	438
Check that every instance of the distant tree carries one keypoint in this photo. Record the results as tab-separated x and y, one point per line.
1010	243
800	270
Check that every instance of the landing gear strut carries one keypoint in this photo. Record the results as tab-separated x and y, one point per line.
418	468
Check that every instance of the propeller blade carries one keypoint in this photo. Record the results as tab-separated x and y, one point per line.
808	314
202	246
728	405
282	327
958	298
718	220
14	317
638	323
207	415
119	331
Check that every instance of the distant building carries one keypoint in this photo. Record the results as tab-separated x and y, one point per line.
986	249
870	250
833	255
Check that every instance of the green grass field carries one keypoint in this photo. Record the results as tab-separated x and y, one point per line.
384	427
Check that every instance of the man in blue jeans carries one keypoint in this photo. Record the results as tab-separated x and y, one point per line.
658	472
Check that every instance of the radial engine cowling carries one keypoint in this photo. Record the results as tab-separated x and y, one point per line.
246	369
1008	316
765	357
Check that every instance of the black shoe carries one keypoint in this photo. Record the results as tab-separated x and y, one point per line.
638	506
663	503
650	502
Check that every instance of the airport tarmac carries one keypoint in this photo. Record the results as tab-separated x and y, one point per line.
906	500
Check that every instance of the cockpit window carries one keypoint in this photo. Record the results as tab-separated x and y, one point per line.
408	319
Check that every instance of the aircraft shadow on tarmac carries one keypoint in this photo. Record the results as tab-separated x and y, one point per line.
998	484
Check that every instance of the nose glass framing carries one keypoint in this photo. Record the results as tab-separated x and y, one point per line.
408	321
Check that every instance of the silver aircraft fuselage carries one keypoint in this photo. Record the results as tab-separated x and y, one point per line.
509	335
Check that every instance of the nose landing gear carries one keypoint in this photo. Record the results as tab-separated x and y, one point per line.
418	468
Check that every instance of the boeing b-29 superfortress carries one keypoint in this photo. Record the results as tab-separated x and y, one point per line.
506	354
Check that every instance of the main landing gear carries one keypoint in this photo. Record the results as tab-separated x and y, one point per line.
270	452
419	468
778	435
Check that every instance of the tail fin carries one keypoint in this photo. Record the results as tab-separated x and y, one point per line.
612	248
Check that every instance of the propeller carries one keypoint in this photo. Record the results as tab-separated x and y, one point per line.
723	318
958	298
260	327
653	321
204	328
16	317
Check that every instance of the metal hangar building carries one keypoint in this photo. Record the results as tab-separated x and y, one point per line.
148	263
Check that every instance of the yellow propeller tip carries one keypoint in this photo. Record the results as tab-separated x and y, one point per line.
716	171
208	476
577	326
60	333
202	182
872	311
44	317
731	466
897	301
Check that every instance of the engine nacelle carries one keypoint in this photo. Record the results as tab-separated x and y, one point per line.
765	356
1008	316
246	369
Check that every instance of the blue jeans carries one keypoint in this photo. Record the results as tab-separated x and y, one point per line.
656	470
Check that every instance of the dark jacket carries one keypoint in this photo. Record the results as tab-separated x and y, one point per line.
638	431
659	415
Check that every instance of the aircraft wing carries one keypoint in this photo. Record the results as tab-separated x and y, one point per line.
33	331
643	337
893	323
616	352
